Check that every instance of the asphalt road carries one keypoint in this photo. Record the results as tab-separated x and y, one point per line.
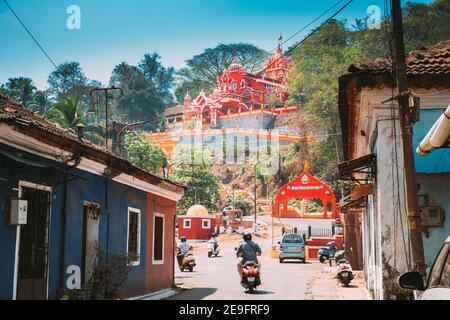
217	278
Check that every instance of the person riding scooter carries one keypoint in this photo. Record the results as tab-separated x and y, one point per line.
185	258
213	246
249	252
183	249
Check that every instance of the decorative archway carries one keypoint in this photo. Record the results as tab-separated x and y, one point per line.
305	186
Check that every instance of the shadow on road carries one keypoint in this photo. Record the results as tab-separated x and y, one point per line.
260	292
195	294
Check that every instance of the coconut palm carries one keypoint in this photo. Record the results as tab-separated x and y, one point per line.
21	89
69	113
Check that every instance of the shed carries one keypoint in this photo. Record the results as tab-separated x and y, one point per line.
197	224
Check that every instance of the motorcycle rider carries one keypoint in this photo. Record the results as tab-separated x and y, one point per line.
183	249
249	252
214	240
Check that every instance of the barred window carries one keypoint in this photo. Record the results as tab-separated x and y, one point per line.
134	236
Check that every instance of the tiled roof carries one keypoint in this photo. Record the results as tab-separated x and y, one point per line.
431	60
35	125
172	111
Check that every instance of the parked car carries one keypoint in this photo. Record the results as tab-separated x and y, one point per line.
438	284
292	246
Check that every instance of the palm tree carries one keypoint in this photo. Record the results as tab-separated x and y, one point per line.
21	89
69	112
41	102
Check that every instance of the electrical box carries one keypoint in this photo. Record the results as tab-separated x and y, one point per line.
18	212
432	216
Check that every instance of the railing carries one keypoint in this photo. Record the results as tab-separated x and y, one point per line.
316	232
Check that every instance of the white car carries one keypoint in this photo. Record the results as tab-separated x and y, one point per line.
438	285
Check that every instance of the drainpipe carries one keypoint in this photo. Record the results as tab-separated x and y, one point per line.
107	229
437	136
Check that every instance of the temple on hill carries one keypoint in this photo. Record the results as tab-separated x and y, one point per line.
237	98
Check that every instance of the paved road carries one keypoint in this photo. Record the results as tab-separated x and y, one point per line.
217	278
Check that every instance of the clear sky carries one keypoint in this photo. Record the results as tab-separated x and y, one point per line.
113	31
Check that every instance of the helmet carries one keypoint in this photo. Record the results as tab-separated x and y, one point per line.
213	235
247	237
183	239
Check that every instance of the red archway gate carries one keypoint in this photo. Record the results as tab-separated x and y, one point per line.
305	186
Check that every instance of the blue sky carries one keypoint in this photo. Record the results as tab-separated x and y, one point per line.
113	31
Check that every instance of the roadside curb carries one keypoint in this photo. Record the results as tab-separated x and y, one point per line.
159	295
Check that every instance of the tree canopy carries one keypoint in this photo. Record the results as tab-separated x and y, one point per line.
202	70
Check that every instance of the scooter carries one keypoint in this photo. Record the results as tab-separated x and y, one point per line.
326	253
187	262
344	271
250	276
213	248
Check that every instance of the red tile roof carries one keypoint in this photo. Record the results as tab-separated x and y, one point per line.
40	128
431	60
427	67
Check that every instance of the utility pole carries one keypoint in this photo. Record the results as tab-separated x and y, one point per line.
106	90
414	224
254	201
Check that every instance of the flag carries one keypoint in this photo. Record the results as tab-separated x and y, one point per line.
280	38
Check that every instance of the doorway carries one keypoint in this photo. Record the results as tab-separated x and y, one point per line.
91	214
32	271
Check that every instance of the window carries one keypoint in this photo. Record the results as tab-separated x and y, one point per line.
158	238
292	238
134	236
187	223
206	223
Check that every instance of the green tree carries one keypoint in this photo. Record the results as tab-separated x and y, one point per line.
68	113
68	79
240	203
313	82
203	69
144	153
21	89
202	187
162	78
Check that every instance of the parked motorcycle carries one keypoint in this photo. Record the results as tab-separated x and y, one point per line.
344	271
326	253
213	248
250	276
186	262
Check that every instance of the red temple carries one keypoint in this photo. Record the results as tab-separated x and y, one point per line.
238	91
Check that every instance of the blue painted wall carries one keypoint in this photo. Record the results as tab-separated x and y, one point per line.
93	189
434	180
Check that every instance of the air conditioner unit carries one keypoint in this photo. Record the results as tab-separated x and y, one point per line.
432	216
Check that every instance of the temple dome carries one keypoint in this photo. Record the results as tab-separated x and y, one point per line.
197	210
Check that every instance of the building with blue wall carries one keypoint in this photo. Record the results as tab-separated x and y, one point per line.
81	199
433	178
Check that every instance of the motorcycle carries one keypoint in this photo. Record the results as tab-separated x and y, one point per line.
250	276
186	262
344	271
326	253
213	248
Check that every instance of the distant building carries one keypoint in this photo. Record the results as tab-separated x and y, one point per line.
375	215
79	196
197	224
238	92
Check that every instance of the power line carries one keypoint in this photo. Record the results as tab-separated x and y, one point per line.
30	34
290	49
309	24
